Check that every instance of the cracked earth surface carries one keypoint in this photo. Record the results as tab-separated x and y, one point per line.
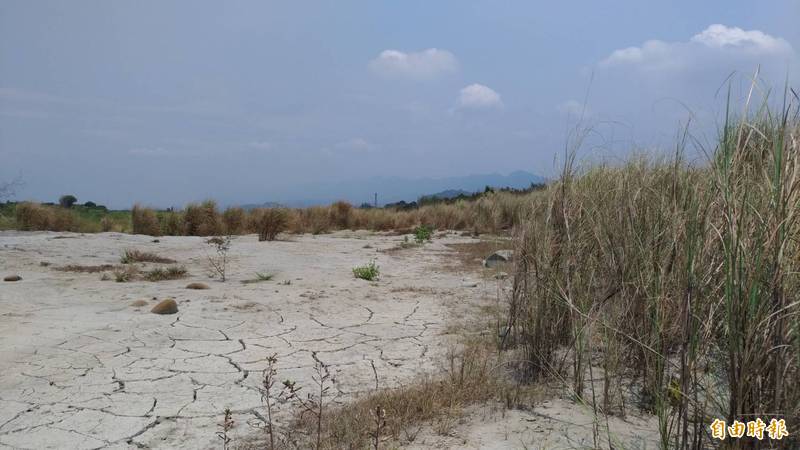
81	367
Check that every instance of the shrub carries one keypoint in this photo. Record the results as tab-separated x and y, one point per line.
367	272
234	220
32	216
202	219
422	234
171	223
144	221
269	222
339	214
106	224
66	201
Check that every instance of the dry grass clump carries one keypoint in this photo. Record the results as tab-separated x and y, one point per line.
86	269
340	215
681	279
470	254
234	220
145	221
35	217
131	256
470	377
268	222
202	219
162	274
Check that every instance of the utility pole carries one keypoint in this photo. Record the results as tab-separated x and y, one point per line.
376	199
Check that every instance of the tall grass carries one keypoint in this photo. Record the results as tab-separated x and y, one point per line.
679	280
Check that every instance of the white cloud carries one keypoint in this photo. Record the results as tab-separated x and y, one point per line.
477	96
718	35
716	44
424	65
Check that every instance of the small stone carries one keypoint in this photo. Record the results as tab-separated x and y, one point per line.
139	303
166	306
469	284
12	278
497	258
197	286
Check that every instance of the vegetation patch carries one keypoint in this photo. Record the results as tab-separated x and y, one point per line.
86	269
369	272
162	274
259	278
134	256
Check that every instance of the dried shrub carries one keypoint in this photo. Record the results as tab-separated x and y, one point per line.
340	215
172	223
202	219
269	222
144	221
234	219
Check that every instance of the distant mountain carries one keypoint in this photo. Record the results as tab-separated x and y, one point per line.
394	189
448	194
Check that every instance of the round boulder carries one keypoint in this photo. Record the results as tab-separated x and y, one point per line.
197	286
12	278
166	306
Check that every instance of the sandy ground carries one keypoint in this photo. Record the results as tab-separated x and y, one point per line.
82	367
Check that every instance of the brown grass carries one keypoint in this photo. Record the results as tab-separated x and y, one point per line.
145	221
134	256
268	222
163	274
470	255
86	269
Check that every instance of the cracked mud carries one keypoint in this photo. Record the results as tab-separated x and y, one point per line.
83	368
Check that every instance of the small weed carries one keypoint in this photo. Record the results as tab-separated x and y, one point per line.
260	277
369	272
422	234
219	263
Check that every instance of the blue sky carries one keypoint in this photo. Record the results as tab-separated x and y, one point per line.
166	102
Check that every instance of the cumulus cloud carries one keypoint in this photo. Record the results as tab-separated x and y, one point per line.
424	65
717	43
478	96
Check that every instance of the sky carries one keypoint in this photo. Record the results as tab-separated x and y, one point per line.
166	102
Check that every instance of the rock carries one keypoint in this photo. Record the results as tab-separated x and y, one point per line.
166	306
197	286
139	303
497	258
12	278
469	284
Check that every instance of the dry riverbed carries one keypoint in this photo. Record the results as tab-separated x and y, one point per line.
85	364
